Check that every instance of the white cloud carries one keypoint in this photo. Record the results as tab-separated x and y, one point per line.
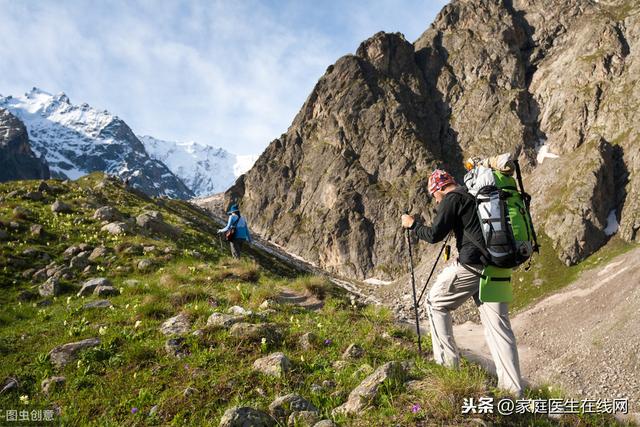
230	74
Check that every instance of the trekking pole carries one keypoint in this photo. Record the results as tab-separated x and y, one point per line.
413	287
444	245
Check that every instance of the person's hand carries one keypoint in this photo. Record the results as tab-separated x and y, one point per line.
407	221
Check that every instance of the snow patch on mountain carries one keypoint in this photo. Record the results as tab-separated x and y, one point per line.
205	169
77	140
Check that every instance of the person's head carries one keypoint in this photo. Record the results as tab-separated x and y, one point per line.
234	210
440	183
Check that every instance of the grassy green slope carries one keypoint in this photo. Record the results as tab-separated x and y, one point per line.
119	382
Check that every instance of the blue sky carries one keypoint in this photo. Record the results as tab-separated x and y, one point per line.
229	73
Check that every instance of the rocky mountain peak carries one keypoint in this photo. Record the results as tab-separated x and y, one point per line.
541	79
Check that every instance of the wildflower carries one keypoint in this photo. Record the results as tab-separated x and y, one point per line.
327	341
416	408
126	306
24	399
319	325
68	300
65	323
263	341
134	410
102	330
138	323
302	358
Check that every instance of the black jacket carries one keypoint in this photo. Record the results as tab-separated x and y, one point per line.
456	212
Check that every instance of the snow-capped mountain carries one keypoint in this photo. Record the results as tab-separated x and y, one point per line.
204	169
76	140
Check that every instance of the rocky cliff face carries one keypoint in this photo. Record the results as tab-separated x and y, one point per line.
488	76
17	161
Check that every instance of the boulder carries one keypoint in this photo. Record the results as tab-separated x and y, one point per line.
89	286
60	207
363	395
145	264
153	221
309	341
79	262
102	303
71	251
105	291
65	353
50	288
246	417
275	364
354	351
36	196
98	252
223	320
117	228
52	384
176	325
20	212
239	311
256	332
107	213
36	231
283	406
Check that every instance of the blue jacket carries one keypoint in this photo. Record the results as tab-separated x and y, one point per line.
242	231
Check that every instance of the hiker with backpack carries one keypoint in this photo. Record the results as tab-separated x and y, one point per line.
236	231
459	281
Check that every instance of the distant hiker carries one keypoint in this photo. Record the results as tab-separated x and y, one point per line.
236	232
460	280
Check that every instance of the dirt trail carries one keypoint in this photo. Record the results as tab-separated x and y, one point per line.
585	339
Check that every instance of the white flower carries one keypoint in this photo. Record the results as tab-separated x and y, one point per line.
64	323
68	300
126	306
263	341
102	330
121	290
24	399
138	323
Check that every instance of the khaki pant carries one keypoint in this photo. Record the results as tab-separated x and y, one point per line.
454	286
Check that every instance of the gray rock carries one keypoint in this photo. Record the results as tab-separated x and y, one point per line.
102	303
37	231
239	311
36	196
50	288
89	286
118	228
132	283
60	207
153	221
145	265
63	354
49	385
44	187
17	160
20	212
283	406
246	417
9	385
276	364
223	320
309	341
79	262
255	333
71	251
367	391
325	423
107	213
354	351
105	291
176	347
98	252
176	325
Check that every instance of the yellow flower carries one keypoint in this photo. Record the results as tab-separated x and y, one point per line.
24	399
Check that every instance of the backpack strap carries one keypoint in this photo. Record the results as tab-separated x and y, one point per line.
485	253
472	271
